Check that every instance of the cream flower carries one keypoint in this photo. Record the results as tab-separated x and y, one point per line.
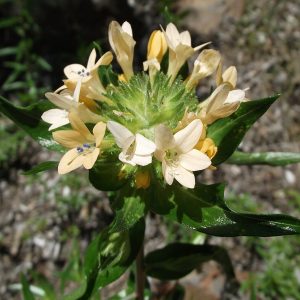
79	72
229	75
177	154
156	49
136	149
180	48
221	103
65	101
85	147
206	63
122	43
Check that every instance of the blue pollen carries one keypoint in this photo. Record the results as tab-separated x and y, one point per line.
79	149
86	146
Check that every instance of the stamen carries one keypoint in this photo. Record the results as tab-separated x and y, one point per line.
86	146
79	149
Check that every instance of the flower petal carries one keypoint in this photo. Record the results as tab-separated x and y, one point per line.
68	138
70	161
59	100
120	133
104	60
167	173
124	158
194	160
127	28
142	160
79	126
99	131
235	96
143	146
71	71
185	177
185	38
164	138
90	158
188	137
92	60
56	117
230	75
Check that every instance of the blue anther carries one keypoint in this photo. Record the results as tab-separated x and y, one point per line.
79	149
86	146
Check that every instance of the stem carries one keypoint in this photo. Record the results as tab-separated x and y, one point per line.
140	274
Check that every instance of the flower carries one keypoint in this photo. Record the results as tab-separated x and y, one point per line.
205	64
180	49
59	117
142	179
122	43
77	72
177	154
92	87
229	75
221	103
136	149
156	49
85	147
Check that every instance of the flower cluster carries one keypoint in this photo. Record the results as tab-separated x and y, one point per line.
146	119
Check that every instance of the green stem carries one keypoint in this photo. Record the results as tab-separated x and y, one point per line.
140	274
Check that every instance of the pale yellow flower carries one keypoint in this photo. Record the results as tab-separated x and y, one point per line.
221	103
142	179
229	75
85	146
157	48
205	65
66	102
177	154
180	49
122	43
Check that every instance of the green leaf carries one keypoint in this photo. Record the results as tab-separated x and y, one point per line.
44	166
105	175
29	119
27	294
203	209
264	158
177	260
227	133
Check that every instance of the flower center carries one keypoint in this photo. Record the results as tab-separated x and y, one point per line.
85	148
172	157
83	73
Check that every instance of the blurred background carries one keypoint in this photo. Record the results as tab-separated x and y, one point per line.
46	221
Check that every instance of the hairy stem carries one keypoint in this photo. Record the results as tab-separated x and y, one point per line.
140	274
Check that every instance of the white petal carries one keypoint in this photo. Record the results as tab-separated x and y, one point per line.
123	158
188	137
59	100
92	60
142	160
167	173
164	138
185	38
194	160
185	177
71	71
172	35
120	133
70	161
127	28
77	91
90	158
56	117
143	146
235	96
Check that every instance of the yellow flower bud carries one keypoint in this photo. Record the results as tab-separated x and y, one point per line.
157	46
207	146
142	179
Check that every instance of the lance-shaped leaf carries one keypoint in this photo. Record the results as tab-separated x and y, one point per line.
203	209
177	260
114	249
44	166
29	119
227	133
264	158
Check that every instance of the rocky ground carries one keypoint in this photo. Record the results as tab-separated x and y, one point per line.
38	227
